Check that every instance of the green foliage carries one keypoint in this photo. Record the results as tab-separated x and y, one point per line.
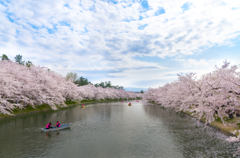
29	63
18	59
218	119
107	84
71	76
4	57
238	125
82	81
87	100
68	102
225	118
118	87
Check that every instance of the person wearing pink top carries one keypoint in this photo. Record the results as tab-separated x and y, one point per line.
58	124
49	126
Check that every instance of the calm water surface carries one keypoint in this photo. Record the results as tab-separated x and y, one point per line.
109	130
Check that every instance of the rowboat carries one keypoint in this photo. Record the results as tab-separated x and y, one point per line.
58	128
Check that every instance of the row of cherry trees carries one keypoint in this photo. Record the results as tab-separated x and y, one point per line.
209	96
21	86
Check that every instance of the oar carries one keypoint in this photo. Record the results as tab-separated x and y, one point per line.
57	129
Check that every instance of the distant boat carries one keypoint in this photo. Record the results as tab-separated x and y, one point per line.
58	128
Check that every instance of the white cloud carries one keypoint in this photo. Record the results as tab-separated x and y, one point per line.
96	35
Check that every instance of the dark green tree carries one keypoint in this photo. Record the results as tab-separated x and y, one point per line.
107	84
29	63
82	81
18	59
4	57
101	84
121	87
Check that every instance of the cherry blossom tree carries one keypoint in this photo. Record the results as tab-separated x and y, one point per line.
209	96
22	86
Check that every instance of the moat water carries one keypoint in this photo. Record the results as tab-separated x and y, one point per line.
112	130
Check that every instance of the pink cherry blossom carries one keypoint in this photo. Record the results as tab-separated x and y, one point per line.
22	86
206	96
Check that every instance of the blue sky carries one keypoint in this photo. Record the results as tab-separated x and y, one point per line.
134	43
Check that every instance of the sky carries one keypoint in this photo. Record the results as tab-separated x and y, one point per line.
133	43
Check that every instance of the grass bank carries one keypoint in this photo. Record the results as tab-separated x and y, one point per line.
231	124
44	107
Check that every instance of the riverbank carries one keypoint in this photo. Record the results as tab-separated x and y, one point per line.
231	124
45	107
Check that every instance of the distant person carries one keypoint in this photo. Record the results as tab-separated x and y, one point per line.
237	113
49	126
58	124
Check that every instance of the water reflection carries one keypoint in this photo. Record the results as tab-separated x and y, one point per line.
202	142
112	130
48	135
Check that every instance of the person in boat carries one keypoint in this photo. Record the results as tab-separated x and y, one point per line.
58	124
49	126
